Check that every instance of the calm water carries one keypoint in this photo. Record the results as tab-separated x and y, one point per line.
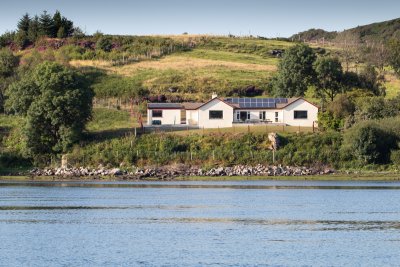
200	224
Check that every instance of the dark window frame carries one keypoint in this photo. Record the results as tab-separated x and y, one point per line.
214	112
299	114
157	116
263	115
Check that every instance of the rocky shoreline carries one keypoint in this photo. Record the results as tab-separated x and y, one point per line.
171	172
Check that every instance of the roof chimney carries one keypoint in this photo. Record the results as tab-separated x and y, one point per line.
214	95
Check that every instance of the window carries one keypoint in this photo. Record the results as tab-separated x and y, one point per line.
216	114
276	116
300	114
262	115
238	115
248	115
157	113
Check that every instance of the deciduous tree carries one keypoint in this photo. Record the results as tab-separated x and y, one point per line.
57	102
295	72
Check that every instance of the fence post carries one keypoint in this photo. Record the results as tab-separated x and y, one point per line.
213	154
273	155
191	156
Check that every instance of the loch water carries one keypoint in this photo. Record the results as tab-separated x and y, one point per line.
248	223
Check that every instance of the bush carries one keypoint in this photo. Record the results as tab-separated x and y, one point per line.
368	142
395	157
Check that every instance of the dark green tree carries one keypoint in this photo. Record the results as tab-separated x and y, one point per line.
369	143
295	72
57	102
34	29
329	75
8	62
57	20
68	27
21	39
104	43
394	55
46	25
8	65
372	81
23	23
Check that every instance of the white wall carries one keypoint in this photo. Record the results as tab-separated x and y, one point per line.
169	117
215	104
301	104
192	117
269	115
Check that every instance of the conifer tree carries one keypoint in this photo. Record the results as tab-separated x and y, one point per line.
33	30
46	25
23	24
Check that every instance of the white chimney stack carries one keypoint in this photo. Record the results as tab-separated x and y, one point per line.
214	95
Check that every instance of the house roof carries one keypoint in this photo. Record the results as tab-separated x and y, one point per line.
236	103
164	106
220	99
191	106
292	100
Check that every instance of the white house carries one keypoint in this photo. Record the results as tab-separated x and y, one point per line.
222	113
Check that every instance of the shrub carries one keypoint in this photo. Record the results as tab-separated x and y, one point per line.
395	157
368	142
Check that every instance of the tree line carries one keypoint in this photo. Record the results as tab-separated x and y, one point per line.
31	28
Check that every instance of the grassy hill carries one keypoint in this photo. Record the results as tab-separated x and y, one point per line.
225	65
379	31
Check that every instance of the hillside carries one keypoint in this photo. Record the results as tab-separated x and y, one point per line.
229	66
379	31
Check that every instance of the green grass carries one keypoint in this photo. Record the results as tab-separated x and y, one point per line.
230	56
109	119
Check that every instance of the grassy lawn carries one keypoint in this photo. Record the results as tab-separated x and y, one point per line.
392	85
109	119
230	57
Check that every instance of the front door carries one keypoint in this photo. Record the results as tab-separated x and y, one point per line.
243	115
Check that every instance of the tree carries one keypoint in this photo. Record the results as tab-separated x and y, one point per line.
34	28
295	72
369	143
394	55
46	25
104	43
372	81
8	62
348	42
329	75
23	24
57	21
21	39
8	65
57	102
68	27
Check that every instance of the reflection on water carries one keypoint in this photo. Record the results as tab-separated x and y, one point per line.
199	223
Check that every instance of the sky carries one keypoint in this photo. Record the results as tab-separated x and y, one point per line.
268	18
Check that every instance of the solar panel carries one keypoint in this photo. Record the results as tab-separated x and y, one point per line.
246	102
